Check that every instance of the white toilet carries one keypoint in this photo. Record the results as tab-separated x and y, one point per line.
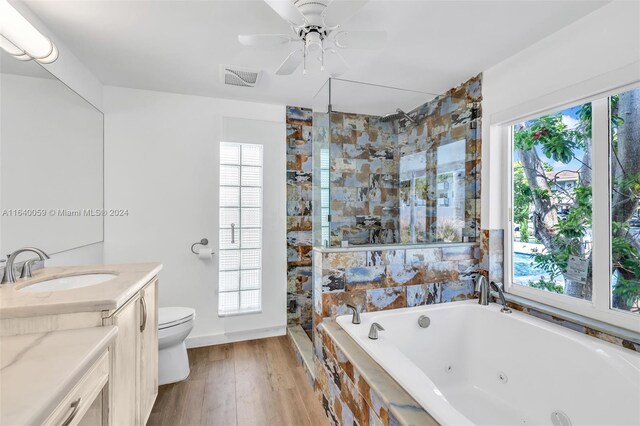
174	325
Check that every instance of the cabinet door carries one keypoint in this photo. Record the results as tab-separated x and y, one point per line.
124	364
148	349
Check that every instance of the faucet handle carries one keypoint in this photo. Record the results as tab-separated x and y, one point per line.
373	331
26	268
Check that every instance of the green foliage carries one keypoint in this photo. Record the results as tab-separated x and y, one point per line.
553	137
626	262
524	231
543	284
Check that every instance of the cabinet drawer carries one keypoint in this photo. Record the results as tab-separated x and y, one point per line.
74	406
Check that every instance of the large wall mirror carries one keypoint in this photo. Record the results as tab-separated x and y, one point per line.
51	162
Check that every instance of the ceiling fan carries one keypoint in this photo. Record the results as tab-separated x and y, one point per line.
316	26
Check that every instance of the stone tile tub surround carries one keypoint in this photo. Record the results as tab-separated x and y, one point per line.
299	216
465	368
365	154
354	389
391	278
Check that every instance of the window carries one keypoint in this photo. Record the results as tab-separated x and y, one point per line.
625	196
575	208
240	264
325	223
552	243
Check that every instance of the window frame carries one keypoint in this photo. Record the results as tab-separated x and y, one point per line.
599	306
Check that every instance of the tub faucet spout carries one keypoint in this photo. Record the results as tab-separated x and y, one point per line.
355	319
482	288
373	331
498	288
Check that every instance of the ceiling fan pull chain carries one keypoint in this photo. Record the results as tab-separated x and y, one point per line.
322	55
304	60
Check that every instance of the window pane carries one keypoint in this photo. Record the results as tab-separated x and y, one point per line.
250	279
229	196
552	202
251	155
229	280
625	201
225	239
230	175
229	153
228	302
251	176
251	218
229	216
229	259
250	259
251	238
250	300
251	197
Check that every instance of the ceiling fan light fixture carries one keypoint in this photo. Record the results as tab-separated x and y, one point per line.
313	41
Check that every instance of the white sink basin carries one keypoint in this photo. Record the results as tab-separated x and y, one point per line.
68	283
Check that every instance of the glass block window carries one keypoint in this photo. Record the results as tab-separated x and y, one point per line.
324	196
240	265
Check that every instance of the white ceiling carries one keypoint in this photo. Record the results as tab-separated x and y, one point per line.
177	46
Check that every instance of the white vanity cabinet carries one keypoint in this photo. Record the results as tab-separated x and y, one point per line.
128	302
84	404
134	366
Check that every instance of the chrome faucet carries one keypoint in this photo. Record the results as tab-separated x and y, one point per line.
498	288
373	331
10	274
355	319
482	288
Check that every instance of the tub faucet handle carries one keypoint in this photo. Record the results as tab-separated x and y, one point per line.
356	314
373	331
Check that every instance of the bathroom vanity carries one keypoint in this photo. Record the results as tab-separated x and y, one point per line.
119	306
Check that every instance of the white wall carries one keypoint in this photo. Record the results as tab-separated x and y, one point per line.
594	54
161	154
74	74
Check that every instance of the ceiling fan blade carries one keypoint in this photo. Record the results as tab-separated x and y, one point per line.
290	64
264	40
340	11
360	39
335	63
287	10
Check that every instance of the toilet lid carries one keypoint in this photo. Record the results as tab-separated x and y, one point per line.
169	317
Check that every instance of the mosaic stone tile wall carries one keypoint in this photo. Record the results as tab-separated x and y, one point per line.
389	279
299	216
365	156
364	180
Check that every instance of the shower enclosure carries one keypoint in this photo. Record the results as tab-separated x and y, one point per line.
394	166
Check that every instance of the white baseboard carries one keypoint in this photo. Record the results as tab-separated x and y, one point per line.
235	336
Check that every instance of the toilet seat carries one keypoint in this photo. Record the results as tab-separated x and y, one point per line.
170	317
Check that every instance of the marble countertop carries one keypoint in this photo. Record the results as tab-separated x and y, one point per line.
38	370
106	296
403	407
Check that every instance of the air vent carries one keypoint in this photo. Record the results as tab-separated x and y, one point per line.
239	76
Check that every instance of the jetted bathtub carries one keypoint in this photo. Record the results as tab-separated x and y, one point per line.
476	365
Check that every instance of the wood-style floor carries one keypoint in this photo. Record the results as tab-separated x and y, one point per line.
258	382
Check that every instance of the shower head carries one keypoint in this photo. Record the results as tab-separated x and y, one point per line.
398	115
